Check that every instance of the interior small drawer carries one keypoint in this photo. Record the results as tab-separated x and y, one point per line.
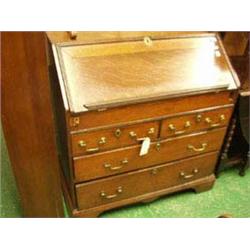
122	160
196	121
111	138
112	189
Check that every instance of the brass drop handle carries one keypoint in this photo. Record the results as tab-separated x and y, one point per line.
202	148
173	128
213	125
151	131
102	141
185	176
133	135
111	196
83	144
92	150
109	166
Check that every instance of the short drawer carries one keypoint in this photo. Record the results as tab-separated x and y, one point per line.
112	189
195	122
105	139
127	159
149	110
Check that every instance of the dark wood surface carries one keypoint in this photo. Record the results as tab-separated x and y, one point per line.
113	137
92	37
103	75
144	181
110	82
235	152
28	123
235	43
241	65
151	110
92	166
208	119
195	122
199	185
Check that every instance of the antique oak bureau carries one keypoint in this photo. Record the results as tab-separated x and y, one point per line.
140	117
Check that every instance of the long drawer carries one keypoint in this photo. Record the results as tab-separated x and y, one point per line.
194	122
149	110
96	193
128	159
105	139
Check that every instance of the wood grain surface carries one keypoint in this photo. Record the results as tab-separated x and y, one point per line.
93	166
150	110
90	37
113	140
185	124
105	74
130	82
28	123
144	181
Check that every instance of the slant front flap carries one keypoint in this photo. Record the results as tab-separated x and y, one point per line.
109	74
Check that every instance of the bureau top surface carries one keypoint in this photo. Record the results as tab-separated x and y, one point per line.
103	75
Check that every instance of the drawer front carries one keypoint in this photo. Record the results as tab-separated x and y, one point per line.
195	122
127	159
144	181
104	139
149	110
